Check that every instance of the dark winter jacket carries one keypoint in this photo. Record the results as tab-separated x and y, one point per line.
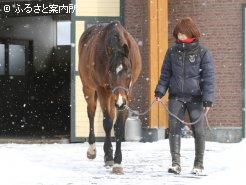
188	73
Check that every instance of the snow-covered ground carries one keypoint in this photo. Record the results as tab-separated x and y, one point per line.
144	163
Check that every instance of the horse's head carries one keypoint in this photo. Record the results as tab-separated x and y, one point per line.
120	74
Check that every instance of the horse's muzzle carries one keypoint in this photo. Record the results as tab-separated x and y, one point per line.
120	107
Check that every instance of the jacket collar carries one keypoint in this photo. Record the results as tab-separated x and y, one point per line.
182	46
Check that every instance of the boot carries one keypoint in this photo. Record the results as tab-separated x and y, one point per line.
174	143
199	153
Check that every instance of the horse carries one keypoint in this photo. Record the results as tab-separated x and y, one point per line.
109	66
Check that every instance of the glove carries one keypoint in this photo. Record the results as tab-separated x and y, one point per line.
207	104
158	95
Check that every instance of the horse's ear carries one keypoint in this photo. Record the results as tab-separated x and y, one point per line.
109	51
126	50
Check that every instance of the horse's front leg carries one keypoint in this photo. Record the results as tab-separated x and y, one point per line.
119	133
108	150
107	105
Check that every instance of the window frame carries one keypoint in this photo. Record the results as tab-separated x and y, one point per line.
28	56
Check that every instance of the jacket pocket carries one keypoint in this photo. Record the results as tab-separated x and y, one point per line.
192	86
175	86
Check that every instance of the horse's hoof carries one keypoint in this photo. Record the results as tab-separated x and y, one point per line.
109	163
91	156
117	169
92	152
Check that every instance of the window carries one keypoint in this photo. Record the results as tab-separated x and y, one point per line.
16	59
63	33
2	59
14	55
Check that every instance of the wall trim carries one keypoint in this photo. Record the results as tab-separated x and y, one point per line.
158	44
244	69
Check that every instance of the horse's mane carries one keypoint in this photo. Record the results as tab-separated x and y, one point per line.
114	33
113	37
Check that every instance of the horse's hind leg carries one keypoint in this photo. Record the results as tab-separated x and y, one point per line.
91	98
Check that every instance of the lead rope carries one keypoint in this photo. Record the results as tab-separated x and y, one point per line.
170	113
182	121
138	113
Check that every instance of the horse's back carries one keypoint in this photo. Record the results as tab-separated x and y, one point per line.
87	44
88	35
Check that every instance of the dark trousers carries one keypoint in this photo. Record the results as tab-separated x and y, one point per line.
178	108
194	109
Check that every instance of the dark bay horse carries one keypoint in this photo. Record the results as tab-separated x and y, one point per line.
109	65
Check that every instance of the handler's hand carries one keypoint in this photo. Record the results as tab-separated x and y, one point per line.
206	109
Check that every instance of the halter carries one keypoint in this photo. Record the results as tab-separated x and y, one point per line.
120	87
